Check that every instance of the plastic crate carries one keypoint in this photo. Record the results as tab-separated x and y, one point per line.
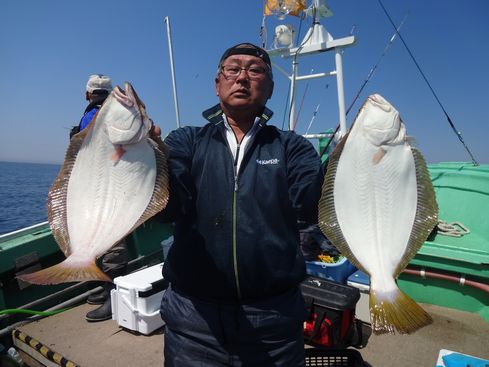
337	272
316	357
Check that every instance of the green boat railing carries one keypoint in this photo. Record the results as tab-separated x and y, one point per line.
462	192
34	248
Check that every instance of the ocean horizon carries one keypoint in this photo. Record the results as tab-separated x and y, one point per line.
23	193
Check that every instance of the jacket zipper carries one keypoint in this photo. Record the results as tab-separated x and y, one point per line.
235	195
235	255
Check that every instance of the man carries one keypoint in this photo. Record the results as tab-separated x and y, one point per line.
238	189
114	262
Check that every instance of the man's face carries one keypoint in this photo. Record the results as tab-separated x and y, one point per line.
244	91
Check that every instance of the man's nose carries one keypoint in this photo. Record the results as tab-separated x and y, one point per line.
243	74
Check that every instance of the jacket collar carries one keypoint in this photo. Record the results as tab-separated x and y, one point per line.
214	115
97	102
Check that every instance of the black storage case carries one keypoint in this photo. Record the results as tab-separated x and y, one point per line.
326	293
331	306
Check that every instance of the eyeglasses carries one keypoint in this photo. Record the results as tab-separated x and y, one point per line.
254	72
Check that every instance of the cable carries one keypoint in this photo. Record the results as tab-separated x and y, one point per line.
294	62
31	312
458	133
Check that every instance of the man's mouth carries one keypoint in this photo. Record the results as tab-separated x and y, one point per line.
241	92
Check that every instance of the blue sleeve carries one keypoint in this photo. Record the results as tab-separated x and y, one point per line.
87	118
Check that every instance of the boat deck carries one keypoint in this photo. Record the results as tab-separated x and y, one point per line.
68	337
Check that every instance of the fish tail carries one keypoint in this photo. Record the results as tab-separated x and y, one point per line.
396	311
65	272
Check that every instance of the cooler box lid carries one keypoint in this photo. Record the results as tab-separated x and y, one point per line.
141	280
359	277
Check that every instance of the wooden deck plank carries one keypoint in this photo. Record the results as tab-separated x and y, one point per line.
96	344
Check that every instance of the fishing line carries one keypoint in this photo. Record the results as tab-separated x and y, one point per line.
458	133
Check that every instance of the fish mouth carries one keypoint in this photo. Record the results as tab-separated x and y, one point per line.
131	121
129	98
380	102
125	97
381	121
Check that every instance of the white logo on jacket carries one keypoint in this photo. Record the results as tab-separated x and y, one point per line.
267	161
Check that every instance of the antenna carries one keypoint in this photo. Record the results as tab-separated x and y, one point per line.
170	48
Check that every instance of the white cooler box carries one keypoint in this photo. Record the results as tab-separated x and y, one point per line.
136	299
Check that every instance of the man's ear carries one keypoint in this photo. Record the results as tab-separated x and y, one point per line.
217	86
271	90
87	96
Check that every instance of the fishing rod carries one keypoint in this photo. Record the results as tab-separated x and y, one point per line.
457	132
372	70
300	107
367	79
312	119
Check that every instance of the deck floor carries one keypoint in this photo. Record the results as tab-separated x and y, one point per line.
106	344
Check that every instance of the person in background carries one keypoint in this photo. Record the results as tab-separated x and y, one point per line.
239	187
114	262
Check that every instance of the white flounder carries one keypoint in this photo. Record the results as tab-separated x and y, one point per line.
114	178
378	206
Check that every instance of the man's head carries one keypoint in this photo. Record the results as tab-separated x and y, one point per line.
98	85
244	79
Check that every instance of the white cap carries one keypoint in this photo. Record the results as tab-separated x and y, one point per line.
99	82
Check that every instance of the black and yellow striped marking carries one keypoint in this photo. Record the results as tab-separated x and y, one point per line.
45	351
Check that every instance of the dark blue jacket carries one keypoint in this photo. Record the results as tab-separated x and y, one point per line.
238	240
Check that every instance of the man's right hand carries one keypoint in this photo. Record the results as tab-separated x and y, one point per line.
155	131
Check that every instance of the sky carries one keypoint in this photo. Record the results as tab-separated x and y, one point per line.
50	47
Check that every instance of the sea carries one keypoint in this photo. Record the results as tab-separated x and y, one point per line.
23	194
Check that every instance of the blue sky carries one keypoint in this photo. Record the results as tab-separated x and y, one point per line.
49	47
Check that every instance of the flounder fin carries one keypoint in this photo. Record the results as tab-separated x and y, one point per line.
327	219
426	217
118	153
379	154
397	313
161	193
63	273
56	201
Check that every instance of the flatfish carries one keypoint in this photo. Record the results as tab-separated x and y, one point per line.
378	206
114	178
